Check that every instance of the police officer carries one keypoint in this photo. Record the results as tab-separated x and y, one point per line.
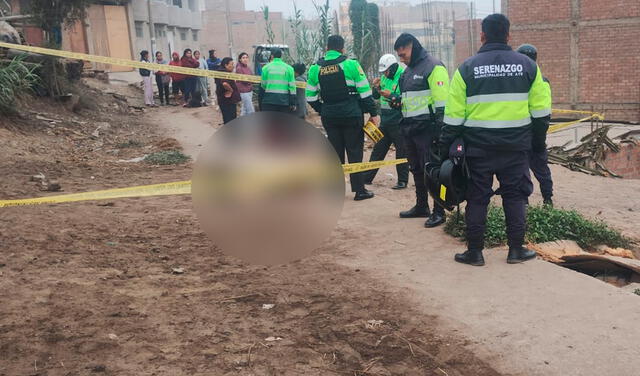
277	85
384	88
338	90
499	104
539	161
424	86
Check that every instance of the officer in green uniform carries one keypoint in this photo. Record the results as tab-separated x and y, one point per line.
500	106
385	88
424	86
338	90
277	85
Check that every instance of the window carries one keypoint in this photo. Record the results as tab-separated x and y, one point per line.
160	31
177	3
183	35
139	29
195	35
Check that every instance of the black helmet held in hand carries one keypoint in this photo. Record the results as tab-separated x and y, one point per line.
529	50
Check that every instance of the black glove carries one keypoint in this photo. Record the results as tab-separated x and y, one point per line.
395	102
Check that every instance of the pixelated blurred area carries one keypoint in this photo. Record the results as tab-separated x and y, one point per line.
268	188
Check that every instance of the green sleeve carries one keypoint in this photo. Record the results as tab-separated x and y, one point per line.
291	79
263	77
539	97
362	84
455	111
313	89
439	84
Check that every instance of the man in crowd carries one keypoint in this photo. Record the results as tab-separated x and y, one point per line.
277	85
424	86
385	88
338	90
500	106
539	161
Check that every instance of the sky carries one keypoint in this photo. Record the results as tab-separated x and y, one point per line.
484	7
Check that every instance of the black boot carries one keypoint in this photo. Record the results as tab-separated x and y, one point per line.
400	185
547	201
518	255
470	257
435	219
418	211
363	195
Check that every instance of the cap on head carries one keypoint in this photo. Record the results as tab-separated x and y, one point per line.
529	50
386	61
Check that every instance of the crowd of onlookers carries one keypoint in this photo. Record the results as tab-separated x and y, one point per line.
196	91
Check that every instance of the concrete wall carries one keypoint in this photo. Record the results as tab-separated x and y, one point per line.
247	27
587	48
171	23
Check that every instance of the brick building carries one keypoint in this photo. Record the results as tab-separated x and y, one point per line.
467	39
588	49
247	28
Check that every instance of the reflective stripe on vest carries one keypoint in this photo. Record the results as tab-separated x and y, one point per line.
496	123
415	103
507	97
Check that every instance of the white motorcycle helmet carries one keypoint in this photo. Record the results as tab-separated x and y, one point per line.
386	61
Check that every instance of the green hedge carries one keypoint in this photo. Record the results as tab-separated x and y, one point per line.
544	224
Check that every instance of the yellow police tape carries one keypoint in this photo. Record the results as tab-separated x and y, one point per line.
164	189
138	64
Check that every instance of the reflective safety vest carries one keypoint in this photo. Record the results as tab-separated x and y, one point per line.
279	83
339	87
424	84
391	84
494	95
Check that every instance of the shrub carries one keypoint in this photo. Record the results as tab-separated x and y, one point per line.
166	157
544	224
16	79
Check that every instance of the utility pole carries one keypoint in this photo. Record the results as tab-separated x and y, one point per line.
229	29
152	31
494	6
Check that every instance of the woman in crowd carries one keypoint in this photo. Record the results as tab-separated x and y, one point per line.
202	81
177	79
162	80
146	80
245	88
187	61
227	92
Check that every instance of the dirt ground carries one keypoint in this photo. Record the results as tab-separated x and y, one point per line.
90	288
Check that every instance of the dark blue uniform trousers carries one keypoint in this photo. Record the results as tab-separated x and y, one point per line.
512	170
539	164
418	145
346	135
392	136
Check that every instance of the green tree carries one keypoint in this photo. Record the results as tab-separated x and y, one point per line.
52	15
311	42
365	28
304	49
271	37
